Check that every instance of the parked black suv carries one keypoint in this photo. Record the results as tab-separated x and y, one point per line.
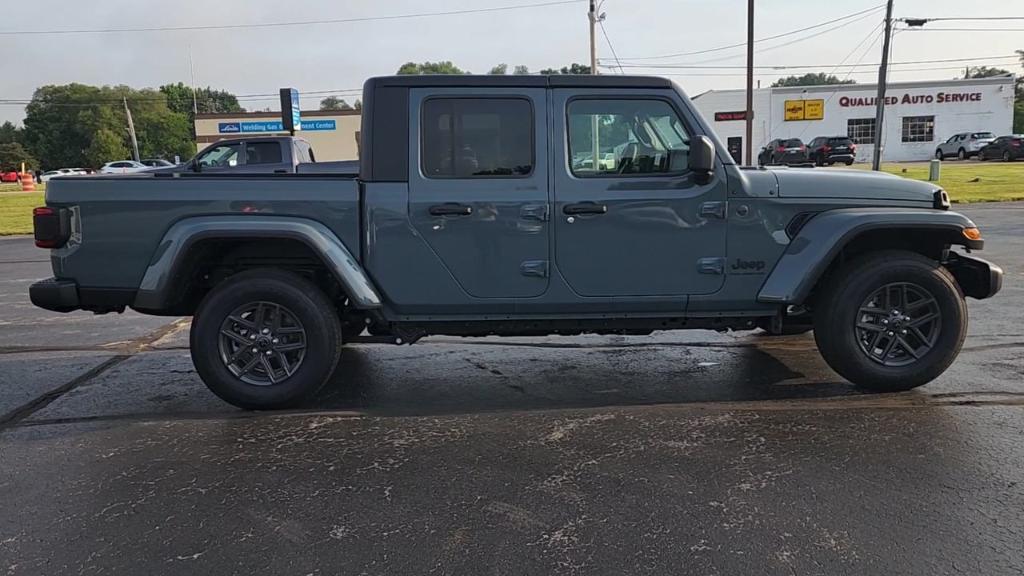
783	151
831	149
1006	147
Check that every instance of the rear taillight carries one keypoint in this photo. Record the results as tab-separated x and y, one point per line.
1015	143
803	148
826	148
51	226
780	149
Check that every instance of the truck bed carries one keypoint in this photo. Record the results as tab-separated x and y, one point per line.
118	222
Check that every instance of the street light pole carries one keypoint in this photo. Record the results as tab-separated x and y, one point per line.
749	115
883	72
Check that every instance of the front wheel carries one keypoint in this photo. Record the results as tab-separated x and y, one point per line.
1006	156
895	320
265	339
961	154
939	155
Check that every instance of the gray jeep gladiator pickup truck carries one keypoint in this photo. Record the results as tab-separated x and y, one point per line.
519	205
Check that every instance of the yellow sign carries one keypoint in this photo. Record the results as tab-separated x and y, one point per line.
814	110
805	110
794	110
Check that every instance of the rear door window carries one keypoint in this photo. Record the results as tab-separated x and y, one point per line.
263	153
477	138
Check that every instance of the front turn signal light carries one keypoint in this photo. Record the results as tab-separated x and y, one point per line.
972	233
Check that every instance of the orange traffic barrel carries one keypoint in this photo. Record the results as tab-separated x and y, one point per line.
28	182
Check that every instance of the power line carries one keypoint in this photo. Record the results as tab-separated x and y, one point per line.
765	39
285	24
814	66
969	18
610	47
963	30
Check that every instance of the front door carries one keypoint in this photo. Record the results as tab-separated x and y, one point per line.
478	192
630	218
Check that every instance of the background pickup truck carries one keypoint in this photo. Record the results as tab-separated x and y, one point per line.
476	212
276	155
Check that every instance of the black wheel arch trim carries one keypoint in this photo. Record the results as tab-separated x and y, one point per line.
156	290
822	238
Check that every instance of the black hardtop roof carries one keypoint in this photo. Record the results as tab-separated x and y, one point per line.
519	81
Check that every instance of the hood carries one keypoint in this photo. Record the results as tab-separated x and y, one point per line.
852	184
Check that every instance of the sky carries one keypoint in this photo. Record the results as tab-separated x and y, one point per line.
340	56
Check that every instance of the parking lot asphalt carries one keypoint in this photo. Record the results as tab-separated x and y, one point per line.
681	453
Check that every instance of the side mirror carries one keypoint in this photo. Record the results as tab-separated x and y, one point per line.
195	165
702	155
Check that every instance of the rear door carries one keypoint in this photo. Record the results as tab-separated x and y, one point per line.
630	219
478	186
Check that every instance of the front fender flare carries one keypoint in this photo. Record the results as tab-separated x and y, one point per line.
825	235
156	289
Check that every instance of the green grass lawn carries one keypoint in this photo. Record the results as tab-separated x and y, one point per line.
16	212
969	181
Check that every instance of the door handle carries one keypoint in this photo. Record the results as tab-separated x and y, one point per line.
584	208
451	209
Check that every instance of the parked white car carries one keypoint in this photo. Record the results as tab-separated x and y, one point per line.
123	167
45	176
964	145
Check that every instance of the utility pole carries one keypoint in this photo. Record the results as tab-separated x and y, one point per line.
749	115
883	72
592	16
131	129
192	78
595	138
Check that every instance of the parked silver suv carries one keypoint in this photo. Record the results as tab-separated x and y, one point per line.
964	145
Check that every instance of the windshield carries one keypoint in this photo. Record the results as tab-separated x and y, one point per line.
982	135
792	143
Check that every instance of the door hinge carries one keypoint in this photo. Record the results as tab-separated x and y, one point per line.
711	266
534	212
712	209
538	268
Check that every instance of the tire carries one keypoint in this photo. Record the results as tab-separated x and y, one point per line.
939	155
961	154
298	327
1006	156
869	365
849	162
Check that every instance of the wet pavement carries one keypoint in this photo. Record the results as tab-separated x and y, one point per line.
675	453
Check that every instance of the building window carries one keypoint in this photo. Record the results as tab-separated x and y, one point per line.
918	128
861	130
477	138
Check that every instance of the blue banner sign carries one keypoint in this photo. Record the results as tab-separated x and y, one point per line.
273	126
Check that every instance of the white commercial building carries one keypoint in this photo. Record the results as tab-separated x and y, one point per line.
918	115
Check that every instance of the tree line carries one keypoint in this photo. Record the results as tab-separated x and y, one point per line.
77	125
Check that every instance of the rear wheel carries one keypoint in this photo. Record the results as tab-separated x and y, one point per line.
849	162
265	339
896	320
1006	156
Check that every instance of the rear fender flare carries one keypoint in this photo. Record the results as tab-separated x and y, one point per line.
825	235
156	290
